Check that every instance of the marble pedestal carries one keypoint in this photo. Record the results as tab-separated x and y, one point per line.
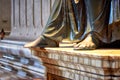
66	64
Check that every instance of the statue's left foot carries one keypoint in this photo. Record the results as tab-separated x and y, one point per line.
86	44
42	42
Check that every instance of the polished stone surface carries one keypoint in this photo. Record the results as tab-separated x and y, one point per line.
102	64
99	64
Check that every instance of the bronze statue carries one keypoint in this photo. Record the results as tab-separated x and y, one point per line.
87	23
60	24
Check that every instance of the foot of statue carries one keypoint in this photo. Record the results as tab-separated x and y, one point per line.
87	44
42	42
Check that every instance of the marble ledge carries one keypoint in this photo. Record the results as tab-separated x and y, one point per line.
99	53
102	64
102	58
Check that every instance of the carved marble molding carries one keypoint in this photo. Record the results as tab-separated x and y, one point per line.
90	64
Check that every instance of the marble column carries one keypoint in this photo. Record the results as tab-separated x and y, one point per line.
5	15
29	17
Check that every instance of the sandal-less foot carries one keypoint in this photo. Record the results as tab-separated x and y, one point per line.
42	42
89	43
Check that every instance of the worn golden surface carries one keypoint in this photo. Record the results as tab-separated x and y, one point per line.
102	64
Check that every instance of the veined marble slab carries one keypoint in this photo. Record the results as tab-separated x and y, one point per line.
103	58
103	64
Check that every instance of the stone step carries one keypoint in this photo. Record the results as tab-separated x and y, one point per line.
21	71
40	69
99	64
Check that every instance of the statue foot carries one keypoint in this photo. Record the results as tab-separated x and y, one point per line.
42	42
87	44
76	1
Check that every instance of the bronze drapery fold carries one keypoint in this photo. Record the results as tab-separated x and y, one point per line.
71	21
114	21
61	20
98	16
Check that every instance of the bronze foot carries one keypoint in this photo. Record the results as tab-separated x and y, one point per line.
42	42
87	44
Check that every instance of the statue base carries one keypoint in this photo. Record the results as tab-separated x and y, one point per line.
64	63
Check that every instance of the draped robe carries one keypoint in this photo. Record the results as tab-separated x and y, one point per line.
75	21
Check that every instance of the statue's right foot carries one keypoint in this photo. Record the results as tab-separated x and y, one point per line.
89	43
42	42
